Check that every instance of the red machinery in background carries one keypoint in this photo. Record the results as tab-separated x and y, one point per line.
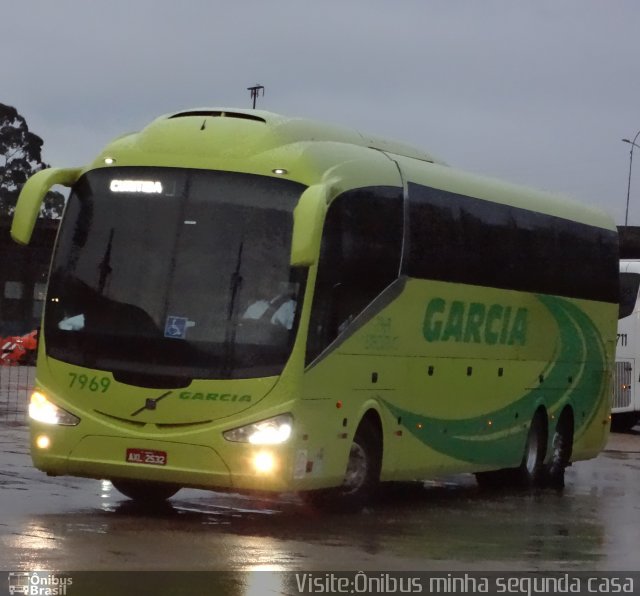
19	349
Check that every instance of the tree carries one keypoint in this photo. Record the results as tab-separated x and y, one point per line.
20	157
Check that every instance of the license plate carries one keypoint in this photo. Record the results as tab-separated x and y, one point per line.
147	456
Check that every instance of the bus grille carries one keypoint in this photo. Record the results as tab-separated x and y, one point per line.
622	385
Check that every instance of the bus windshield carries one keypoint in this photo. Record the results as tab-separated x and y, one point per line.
175	273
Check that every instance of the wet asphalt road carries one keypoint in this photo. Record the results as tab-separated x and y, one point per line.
78	524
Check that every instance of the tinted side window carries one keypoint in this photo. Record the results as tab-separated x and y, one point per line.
629	284
359	257
466	240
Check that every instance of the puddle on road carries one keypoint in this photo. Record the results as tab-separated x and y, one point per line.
449	523
456	522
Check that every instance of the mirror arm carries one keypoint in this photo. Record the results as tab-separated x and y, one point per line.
308	218
32	196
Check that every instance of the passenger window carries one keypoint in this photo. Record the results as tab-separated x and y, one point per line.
359	257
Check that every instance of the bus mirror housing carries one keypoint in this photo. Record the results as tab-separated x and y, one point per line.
308	217
32	196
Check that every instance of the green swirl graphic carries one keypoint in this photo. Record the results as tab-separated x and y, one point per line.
575	375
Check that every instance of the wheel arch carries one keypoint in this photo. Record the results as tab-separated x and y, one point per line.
371	414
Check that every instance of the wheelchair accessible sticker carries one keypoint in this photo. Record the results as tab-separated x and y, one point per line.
176	327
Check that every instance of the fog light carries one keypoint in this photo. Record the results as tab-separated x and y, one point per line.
43	442
264	462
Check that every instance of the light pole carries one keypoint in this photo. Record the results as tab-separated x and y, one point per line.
633	144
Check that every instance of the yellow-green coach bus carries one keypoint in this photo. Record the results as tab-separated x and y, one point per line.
240	300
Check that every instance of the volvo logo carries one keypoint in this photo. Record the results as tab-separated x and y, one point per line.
151	403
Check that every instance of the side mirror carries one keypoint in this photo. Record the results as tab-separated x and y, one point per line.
31	197
308	217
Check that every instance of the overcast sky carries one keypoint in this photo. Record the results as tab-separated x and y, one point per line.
537	92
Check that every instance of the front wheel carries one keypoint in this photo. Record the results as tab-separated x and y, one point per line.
361	476
145	492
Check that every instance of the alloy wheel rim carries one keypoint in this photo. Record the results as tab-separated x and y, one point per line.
356	469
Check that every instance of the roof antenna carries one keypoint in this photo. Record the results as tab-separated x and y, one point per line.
255	92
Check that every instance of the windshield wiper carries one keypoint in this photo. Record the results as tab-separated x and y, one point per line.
105	265
235	283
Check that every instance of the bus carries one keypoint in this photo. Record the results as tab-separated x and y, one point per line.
244	301
625	408
19	582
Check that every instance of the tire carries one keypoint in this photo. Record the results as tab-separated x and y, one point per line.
531	471
562	447
145	492
362	475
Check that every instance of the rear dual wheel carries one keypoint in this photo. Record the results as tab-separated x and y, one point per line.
531	471
562	448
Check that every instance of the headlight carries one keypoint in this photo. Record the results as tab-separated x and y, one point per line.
266	432
42	410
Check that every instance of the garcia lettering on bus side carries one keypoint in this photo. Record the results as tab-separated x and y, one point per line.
474	322
214	396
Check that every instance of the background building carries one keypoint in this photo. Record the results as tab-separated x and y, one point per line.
23	277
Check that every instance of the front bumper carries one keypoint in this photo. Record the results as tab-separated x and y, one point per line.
188	464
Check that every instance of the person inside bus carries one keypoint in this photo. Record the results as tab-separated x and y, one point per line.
280	310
